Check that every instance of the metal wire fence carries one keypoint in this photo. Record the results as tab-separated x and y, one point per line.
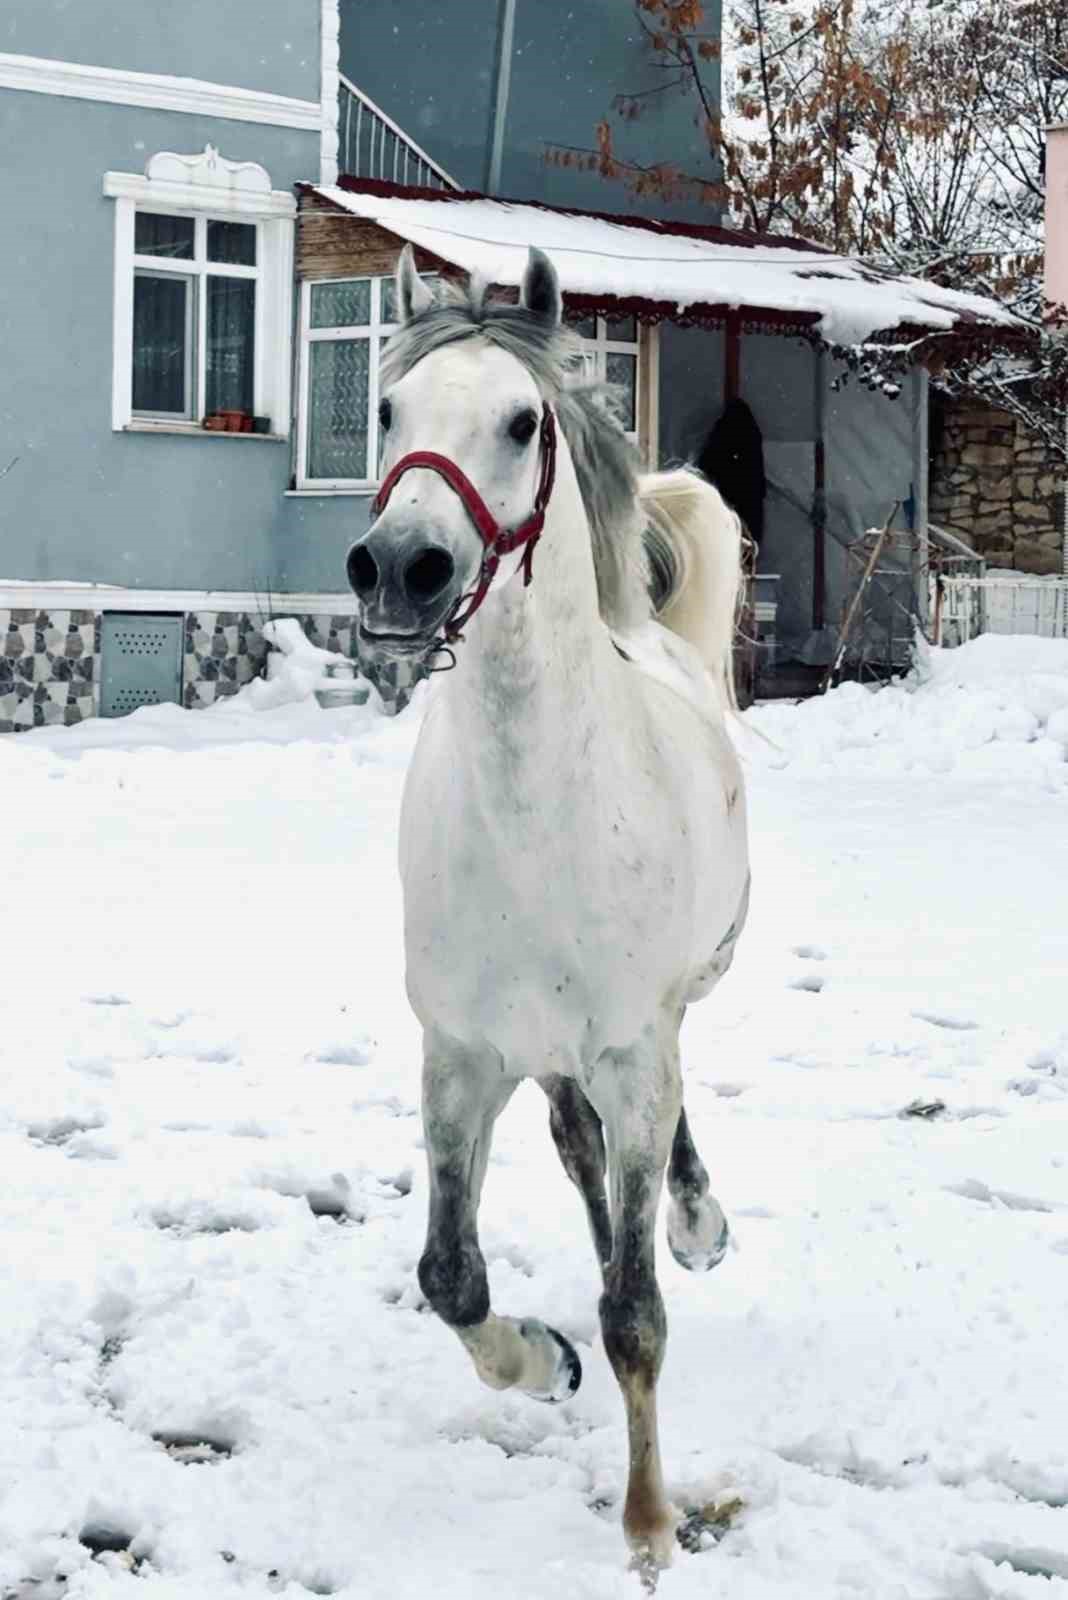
973	605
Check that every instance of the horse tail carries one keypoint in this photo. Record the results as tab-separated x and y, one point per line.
694	544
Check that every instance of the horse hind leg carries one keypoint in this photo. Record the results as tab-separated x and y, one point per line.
462	1099
698	1232
579	1138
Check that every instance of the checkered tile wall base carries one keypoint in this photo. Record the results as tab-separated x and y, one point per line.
225	649
50	660
47	667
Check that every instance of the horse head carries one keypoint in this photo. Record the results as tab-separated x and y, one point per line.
468	471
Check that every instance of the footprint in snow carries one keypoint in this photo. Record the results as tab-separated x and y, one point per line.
809	952
344	1055
808	985
194	1449
60	1130
104	1537
1042	1061
400	1183
39	1589
942	1019
704	1526
106	1000
198	1220
925	1110
1030	1562
333	1199
1000	1199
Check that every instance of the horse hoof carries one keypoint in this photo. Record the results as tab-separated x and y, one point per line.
565	1372
701	1247
651	1554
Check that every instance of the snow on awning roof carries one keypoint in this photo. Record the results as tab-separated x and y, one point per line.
667	270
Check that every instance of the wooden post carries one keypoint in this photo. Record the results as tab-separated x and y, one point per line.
819	496
921	549
732	356
858	599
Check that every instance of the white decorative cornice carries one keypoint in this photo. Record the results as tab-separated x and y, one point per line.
159	91
329	88
209	168
202	182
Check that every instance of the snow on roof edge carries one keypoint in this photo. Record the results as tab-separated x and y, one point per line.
663	267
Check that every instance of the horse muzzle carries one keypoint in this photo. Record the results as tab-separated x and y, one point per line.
406	583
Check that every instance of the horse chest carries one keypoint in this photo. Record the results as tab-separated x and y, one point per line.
549	940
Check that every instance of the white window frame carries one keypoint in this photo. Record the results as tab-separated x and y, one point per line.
374	331
645	349
198	269
207	188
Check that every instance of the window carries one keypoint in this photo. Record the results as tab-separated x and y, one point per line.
613	358
344	324
194	316
203	262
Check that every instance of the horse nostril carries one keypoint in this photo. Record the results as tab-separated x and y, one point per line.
362	570
428	573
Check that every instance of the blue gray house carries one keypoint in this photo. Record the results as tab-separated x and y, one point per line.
146	312
192	301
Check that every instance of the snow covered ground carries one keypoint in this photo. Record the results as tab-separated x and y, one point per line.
213	1353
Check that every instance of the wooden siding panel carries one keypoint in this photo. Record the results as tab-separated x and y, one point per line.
334	244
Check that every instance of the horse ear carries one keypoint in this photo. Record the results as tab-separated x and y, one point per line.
413	296
540	293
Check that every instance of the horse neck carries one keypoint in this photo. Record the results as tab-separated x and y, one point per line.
532	662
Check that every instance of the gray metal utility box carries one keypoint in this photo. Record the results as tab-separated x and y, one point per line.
140	661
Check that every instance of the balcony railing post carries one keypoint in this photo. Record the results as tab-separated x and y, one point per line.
382	127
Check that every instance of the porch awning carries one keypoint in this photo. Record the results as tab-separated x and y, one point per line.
675	271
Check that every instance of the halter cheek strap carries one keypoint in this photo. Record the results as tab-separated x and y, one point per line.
497	541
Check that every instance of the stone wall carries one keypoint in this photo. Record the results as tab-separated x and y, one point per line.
997	487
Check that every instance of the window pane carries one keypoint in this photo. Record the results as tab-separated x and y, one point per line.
623	370
587	326
625	329
230	344
233	243
341	305
162	343
156	235
388	306
338	399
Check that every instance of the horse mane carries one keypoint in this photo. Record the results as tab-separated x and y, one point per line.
605	461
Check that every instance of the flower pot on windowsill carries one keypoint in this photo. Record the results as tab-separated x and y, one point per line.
261	424
214	424
237	421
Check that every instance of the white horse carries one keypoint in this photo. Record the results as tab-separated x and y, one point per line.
573	837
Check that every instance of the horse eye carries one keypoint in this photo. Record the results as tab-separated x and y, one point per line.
385	415
521	428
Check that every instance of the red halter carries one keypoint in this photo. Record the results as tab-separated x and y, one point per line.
498	541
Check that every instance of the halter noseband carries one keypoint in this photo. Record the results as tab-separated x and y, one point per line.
498	541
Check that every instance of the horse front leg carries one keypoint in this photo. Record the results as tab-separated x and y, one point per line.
638	1095
463	1095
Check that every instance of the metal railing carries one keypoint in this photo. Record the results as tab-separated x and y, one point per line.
372	146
